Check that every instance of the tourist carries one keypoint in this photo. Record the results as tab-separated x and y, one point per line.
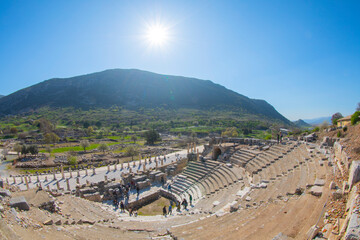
178	206
190	198
122	206
170	209
137	190
185	204
162	181
169	188
164	211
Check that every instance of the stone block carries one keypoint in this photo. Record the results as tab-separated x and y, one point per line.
234	206
20	203
354	175
48	222
5	193
95	197
319	182
316	191
332	185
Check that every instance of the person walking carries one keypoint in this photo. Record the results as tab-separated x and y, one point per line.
170	210
190	198
164	211
122	206
137	190
169	188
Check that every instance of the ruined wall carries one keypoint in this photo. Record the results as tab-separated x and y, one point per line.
341	157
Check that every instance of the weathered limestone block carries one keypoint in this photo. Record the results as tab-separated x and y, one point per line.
319	182
95	197
316	191
20	203
5	193
354	175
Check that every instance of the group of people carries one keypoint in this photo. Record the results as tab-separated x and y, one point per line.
184	203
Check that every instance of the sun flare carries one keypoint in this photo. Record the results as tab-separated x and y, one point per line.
157	35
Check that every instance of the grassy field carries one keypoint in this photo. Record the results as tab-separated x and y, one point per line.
155	208
76	148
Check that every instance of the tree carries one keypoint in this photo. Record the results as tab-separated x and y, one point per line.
51	138
84	144
17	148
131	151
72	160
133	138
33	149
103	147
193	136
358	107
48	149
24	150
336	117
89	130
152	136
230	132
355	118
13	130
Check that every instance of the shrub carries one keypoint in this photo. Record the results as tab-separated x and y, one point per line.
345	129
316	129
338	134
72	160
268	137
355	117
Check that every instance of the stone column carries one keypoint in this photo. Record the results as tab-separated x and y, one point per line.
139	157
67	184
70	171
62	172
144	167
78	180
38	178
122	166
128	164
86	172
22	179
197	156
130	170
27	184
58	185
162	162
106	178
108	168
46	179
187	147
156	163
94	171
133	163
7	181
30	179
54	174
78	173
48	187
115	167
14	180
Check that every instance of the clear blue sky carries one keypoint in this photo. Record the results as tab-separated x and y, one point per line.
303	57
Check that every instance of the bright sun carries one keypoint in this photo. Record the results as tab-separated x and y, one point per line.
157	35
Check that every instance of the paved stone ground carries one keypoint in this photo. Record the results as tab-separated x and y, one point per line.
100	173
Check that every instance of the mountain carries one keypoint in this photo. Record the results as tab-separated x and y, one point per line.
134	89
301	123
1	96
317	121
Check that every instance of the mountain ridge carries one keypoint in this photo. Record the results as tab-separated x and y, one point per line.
132	88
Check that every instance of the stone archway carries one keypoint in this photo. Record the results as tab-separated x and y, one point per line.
216	152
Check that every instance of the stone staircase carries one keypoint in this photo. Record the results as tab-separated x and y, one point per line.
203	178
